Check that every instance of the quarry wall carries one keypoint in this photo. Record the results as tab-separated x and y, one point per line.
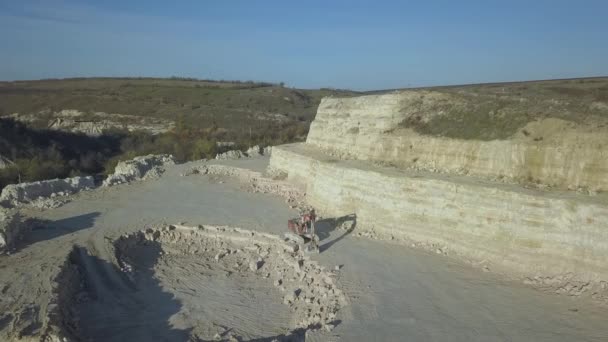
550	152
93	124
548	237
505	203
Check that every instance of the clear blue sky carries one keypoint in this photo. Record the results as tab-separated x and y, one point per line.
344	44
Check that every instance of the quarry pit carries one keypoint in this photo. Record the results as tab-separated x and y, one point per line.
421	238
224	277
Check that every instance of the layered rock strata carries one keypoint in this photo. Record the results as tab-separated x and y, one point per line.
552	152
557	238
466	198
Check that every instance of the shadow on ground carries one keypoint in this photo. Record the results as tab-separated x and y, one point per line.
42	230
115	307
324	227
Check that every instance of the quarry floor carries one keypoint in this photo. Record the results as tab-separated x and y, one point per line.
394	293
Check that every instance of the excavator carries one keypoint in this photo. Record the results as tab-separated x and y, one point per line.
303	231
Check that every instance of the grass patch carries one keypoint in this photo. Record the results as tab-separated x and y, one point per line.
497	111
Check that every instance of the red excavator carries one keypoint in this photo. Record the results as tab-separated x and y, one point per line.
303	229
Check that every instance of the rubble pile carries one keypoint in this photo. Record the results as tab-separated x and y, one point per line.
252	152
308	289
16	194
143	167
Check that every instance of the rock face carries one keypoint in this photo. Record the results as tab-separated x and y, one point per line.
232	154
358	160
10	229
4	162
94	124
527	231
377	128
139	168
222	144
255	151
252	152
15	194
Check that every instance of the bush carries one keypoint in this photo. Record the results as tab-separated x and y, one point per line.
38	168
203	148
9	175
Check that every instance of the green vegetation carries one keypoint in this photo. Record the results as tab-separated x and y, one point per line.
497	111
233	106
40	154
204	112
44	154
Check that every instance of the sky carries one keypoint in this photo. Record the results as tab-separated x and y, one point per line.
360	45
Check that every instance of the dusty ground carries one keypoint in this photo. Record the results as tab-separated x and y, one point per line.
392	292
199	284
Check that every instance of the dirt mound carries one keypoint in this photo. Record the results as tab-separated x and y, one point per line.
15	194
253	152
143	167
232	154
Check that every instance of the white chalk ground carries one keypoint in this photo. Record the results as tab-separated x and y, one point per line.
394	293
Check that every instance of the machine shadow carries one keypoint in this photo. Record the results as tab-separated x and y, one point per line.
324	227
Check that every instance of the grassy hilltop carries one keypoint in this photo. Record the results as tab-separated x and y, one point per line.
233	106
497	110
204	112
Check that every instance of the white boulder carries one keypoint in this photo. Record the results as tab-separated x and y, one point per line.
233	154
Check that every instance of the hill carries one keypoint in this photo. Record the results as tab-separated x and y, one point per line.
57	128
233	107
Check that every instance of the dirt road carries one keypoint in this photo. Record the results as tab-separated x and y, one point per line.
393	293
